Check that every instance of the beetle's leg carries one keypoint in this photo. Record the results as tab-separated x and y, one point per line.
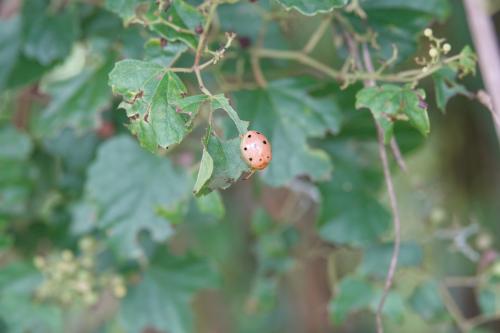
249	175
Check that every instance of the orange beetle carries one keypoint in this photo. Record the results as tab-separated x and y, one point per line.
256	150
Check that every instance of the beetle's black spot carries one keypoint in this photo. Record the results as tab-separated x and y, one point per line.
268	157
245	148
265	142
260	159
249	136
250	159
257	132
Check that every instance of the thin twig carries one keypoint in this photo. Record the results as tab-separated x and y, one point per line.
316	36
485	40
460	238
402	77
393	201
254	58
386	64
201	84
355	7
353	48
461	281
301	58
396	152
257	71
201	47
173	26
453	309
483	319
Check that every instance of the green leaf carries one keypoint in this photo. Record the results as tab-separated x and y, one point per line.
227	164
26	71
389	103
288	116
376	258
467	62
14	145
245	19
438	8
76	102
74	150
352	218
189	15
445	87
123	8
355	294
155	103
350	211
221	102
205	171
488	302
83	218
182	15
130	76
128	185
352	294
241	17
313	7
426	301
19	278
48	37
18	310
394	306
10	31
489	296
162	299
163	55
16	69
211	204
16	178
30	316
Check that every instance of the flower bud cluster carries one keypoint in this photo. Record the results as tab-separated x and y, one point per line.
438	48
73	279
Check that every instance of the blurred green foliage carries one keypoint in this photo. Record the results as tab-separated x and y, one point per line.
106	135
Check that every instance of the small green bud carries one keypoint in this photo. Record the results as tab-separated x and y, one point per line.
446	48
